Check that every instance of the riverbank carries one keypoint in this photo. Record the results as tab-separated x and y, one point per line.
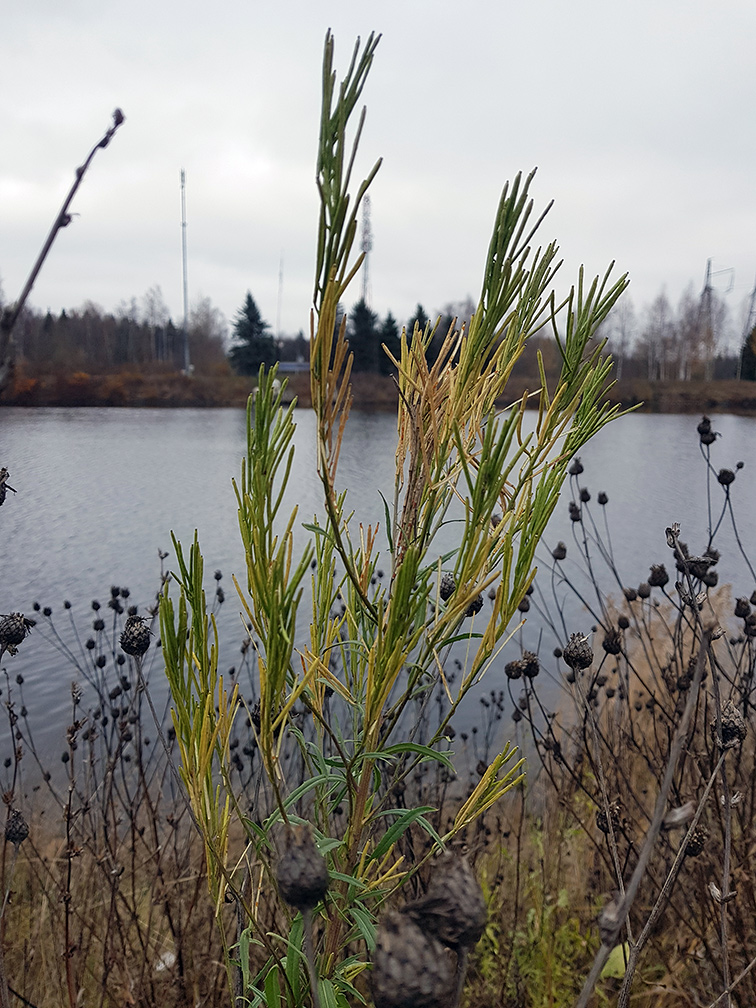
371	391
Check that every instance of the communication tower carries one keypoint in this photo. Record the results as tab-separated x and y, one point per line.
185	327
366	245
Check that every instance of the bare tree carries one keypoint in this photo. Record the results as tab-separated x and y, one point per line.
10	315
620	330
657	336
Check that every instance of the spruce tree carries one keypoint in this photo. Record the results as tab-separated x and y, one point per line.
254	343
364	341
422	321
389	337
748	358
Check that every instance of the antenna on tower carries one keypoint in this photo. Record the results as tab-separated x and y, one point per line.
706	326
750	324
187	365
280	297
366	245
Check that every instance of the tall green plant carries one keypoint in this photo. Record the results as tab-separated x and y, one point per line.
369	648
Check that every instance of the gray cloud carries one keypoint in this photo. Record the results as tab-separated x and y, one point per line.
638	116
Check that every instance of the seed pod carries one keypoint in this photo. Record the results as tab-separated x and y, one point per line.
447	587
697	566
578	653
16	828
560	551
734	728
644	590
725	477
612	642
615	817
658	576
302	874
742	608
697	841
135	638
673	534
513	669
576	467
475	606
602	498
531	666
453	909
411	969
13	629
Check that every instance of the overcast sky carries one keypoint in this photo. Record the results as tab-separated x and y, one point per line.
639	117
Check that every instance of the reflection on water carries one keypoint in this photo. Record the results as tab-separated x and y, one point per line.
100	490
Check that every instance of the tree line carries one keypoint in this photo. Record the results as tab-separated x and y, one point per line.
659	343
138	335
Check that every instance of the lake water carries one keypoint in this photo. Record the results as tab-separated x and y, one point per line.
100	490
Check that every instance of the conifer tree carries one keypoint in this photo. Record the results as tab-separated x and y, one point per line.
389	337
364	341
748	358
420	318
254	343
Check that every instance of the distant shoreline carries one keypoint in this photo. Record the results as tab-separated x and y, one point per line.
370	391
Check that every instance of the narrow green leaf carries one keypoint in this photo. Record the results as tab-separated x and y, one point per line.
406	818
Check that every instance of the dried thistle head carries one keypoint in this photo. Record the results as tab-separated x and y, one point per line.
578	653
615	817
13	629
734	728
453	908
16	828
411	968
697	841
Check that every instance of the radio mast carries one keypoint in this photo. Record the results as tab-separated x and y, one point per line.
366	246
185	327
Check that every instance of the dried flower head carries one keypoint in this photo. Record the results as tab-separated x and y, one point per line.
612	642
447	587
475	606
578	653
16	828
615	817
13	629
742	608
673	534
411	969
697	841
135	639
658	576
453	909
560	551
531	666
514	669
734	728
725	477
